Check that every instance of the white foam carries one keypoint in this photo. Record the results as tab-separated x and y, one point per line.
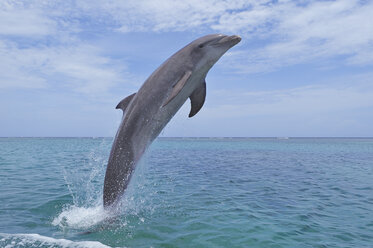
80	217
36	240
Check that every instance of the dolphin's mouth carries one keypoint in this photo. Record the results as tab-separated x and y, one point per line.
227	40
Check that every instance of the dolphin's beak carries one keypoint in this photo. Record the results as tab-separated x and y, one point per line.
231	40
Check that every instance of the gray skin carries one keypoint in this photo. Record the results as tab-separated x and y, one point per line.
147	112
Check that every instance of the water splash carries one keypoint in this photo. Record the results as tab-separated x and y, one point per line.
36	240
76	217
83	178
86	211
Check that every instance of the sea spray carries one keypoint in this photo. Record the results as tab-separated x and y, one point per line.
84	177
84	182
36	240
86	212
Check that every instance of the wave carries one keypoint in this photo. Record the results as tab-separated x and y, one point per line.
36	240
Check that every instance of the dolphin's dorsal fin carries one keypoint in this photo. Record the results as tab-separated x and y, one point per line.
197	99
178	87
124	103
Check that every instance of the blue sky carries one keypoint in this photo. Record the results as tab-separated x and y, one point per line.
303	68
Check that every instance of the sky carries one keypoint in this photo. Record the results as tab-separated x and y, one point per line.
302	69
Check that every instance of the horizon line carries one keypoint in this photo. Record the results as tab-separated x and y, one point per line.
217	137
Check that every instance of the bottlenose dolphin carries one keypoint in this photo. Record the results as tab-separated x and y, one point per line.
147	112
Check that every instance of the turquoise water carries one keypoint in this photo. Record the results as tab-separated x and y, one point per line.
189	193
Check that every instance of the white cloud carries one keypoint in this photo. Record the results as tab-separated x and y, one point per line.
15	20
40	47
299	34
160	16
16	68
341	109
283	33
83	68
303	101
77	67
288	32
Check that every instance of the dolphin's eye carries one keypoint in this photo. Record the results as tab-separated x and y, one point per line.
200	45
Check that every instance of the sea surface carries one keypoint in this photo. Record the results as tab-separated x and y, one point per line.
190	192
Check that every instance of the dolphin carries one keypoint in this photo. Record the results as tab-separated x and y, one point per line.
146	112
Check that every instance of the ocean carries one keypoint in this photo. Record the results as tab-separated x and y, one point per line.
190	192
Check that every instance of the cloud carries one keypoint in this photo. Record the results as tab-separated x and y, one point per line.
78	67
339	109
283	32
278	33
162	16
41	39
311	100
51	48
40	47
301	34
15	20
83	68
16	68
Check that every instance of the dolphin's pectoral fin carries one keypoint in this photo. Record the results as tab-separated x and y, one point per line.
124	103
178	87
197	99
